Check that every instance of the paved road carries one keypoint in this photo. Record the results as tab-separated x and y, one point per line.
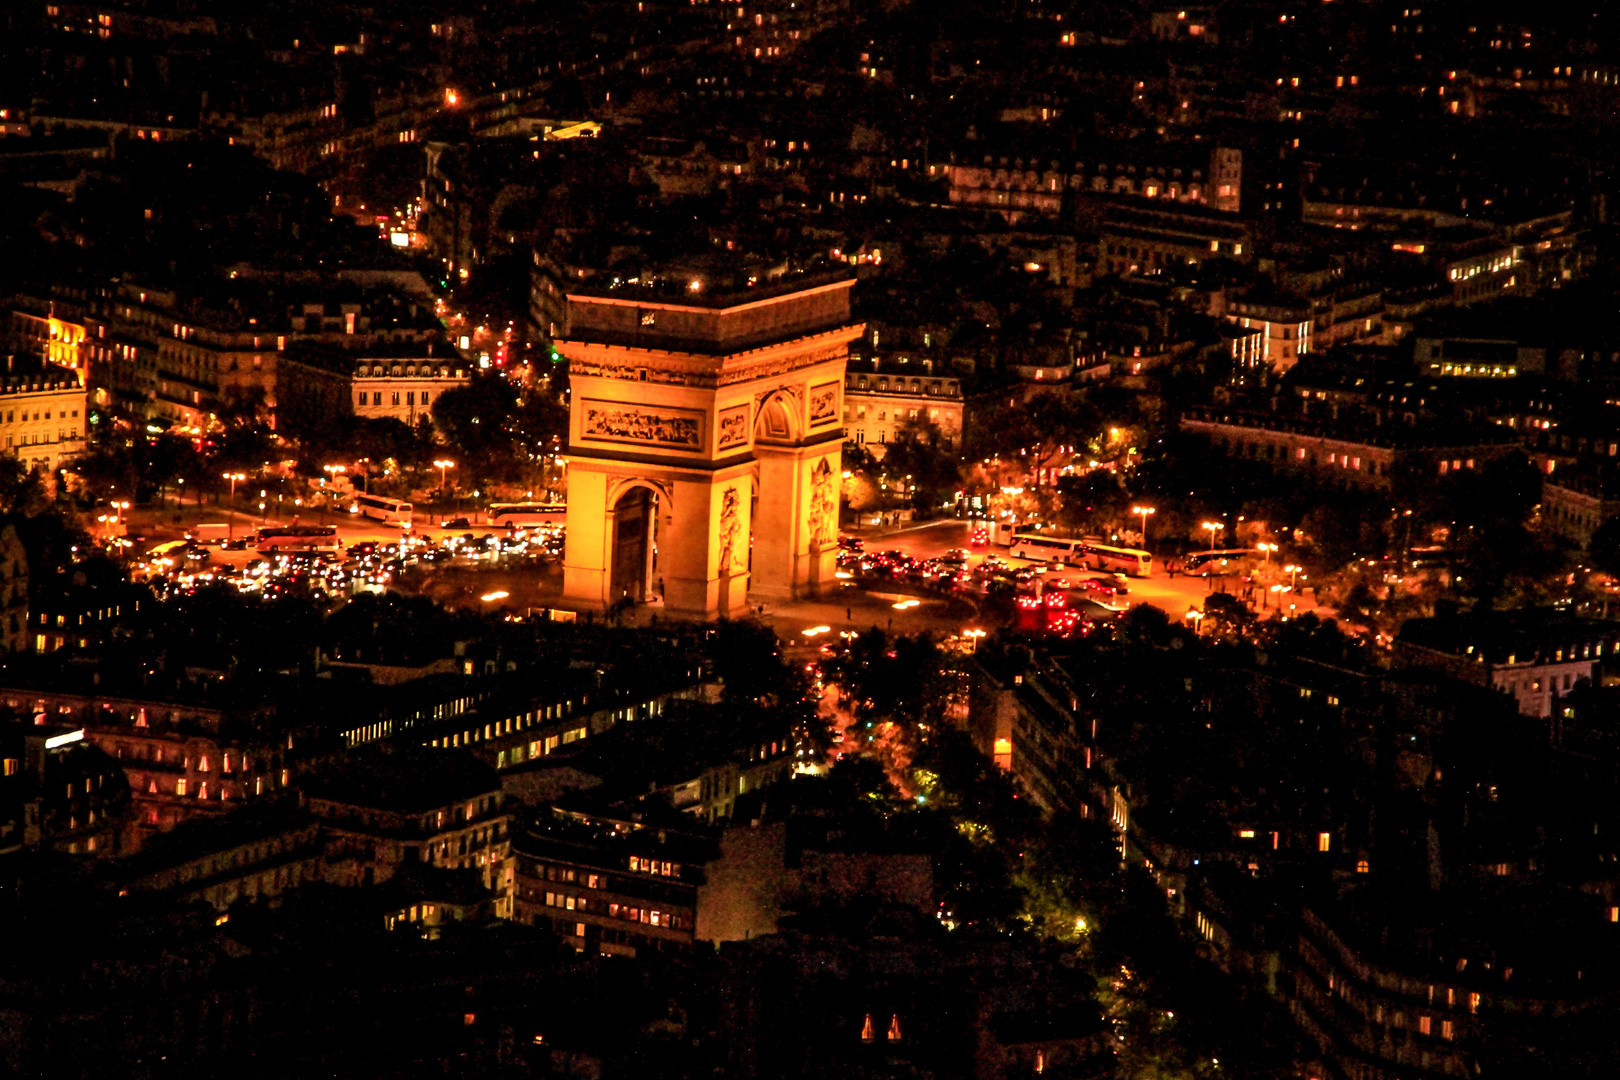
853	608
1176	596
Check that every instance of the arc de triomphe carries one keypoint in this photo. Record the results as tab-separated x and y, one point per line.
704	445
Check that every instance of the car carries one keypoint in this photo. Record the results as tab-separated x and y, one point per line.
955	557
979	538
455	523
852	543
235	543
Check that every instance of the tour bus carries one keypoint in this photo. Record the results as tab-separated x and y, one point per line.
1047	549
286	538
526	515
1222	561
1120	560
378	508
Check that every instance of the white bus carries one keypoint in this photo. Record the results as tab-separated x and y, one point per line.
1132	561
1047	549
1221	561
279	538
378	508
526	515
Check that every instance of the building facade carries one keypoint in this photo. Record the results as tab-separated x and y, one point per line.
43	417
880	400
607	885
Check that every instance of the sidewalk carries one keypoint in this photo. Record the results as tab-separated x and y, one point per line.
878	532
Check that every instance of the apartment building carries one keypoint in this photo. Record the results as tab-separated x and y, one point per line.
43	415
882	397
1364	455
384	809
322	385
1139	238
1284	323
1031	183
1535	656
611	883
185	357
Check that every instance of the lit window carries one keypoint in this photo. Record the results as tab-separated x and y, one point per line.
1324	841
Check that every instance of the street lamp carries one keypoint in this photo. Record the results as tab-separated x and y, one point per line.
1268	549
1214	528
334	471
230	522
1143	512
1197	618
1293	580
973	637
442	464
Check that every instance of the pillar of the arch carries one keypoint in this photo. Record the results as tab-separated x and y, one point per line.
703	546
796	520
588	543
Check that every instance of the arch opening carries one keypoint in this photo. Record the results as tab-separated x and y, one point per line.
635	545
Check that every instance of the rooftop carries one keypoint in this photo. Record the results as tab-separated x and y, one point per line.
1508	636
403	780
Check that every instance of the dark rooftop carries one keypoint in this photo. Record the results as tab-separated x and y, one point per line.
403	780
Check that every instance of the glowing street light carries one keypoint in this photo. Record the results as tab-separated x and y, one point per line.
1268	549
1214	528
442	464
1293	572
973	636
1197	619
491	597
1143	512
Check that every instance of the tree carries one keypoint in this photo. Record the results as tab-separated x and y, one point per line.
1039	433
1604	549
473	418
494	431
931	469
1094	499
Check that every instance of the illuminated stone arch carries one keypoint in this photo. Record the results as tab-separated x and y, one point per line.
728	412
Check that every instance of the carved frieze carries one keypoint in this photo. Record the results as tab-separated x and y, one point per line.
733	428
638	373
824	403
782	365
611	421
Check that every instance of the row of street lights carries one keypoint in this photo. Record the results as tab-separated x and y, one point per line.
1215	528
333	471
